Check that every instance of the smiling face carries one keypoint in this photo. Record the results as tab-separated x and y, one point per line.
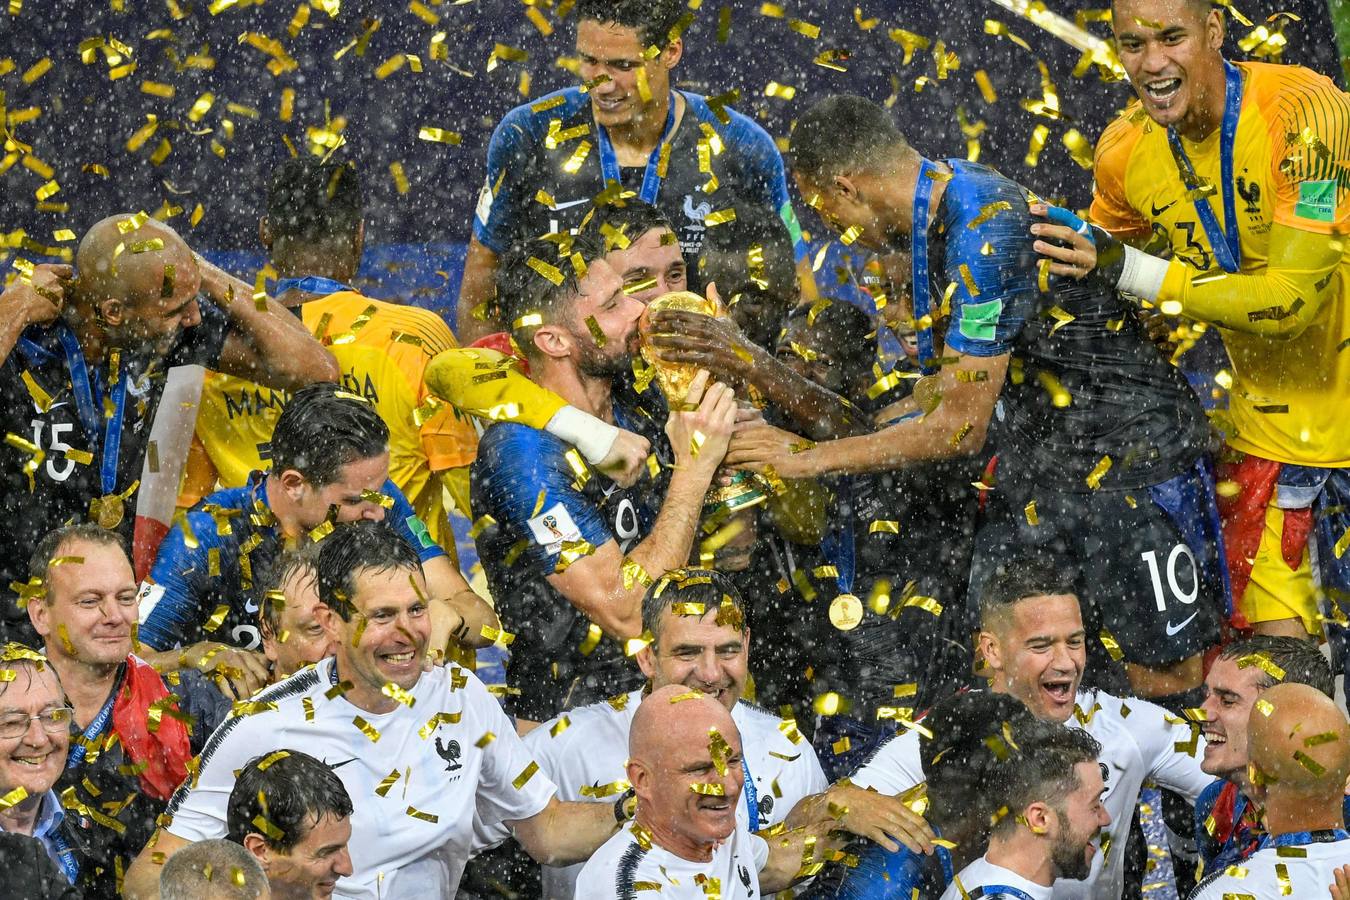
1080	818
601	332
698	653
300	638
89	613
35	759
1231	692
312	868
654	257
616	51
386	639
1037	651
683	790
1171	52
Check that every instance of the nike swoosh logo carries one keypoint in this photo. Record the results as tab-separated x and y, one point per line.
1173	629
339	765
1157	211
570	203
250	606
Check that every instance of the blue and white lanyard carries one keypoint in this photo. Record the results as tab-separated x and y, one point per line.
751	795
89	406
309	284
923	193
652	178
1226	244
91	734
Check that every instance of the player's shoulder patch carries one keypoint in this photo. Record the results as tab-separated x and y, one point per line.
554	526
1316	201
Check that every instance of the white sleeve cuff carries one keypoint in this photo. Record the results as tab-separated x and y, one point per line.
592	437
1142	274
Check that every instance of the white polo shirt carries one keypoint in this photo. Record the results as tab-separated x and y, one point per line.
1140	740
1298	866
585	753
982	878
622	868
416	775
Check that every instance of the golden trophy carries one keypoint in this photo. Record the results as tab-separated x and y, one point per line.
746	489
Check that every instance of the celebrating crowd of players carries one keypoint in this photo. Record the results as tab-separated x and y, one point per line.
1001	579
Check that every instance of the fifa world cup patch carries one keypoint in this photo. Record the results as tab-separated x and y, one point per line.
553	526
1317	201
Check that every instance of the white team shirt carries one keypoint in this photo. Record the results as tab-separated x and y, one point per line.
982	873
621	868
1139	741
588	756
414	790
1310	874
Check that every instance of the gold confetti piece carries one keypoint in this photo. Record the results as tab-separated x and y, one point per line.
1263	662
1112	645
1094	478
720	217
552	273
526	774
439	135
1079	147
400	178
851	234
986	86
987	212
394	692
969	280
909	41
424	816
497	636
217	617
1030	511
708	789
366	728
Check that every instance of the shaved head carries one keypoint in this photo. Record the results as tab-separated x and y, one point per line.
685	767
138	280
1300	744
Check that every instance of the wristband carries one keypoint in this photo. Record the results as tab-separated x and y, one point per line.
1141	274
592	437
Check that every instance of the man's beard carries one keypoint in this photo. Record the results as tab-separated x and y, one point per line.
1068	854
593	362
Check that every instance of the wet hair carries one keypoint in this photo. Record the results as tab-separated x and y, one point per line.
632	217
15	656
523	291
1301	661
709	587
300	562
727	249
290	791
324	428
1020	578
310	201
1040	770
212	870
353	547
653	19
969	746
844	332
39	563
841	134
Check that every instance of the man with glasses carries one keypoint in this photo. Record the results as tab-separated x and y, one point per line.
34	738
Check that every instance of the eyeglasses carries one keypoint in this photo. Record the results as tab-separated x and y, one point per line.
53	721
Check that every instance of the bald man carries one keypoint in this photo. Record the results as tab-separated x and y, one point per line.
685	767
82	371
1300	763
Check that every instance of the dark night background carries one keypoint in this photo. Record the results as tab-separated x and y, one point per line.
86	118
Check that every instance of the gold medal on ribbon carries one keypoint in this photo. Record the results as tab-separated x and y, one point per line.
846	611
108	511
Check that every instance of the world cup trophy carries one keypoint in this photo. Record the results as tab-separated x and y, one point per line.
746	489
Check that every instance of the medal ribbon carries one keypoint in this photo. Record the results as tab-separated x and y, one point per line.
923	193
838	543
89	405
309	284
91	734
751	795
651	179
1303	838
1227	248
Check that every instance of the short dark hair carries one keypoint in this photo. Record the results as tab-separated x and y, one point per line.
840	134
1041	770
1301	661
311	200
972	737
289	791
631	217
653	19
727	251
352	547
301	560
708	587
1020	578
324	428
216	869
844	332
523	291
39	563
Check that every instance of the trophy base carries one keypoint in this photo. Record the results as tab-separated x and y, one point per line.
744	492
